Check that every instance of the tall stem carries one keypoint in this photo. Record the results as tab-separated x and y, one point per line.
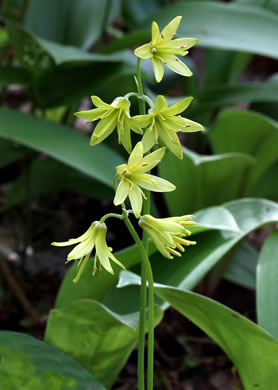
148	270
143	289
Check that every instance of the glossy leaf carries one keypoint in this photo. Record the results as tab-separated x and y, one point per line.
267	289
250	133
199	179
60	21
224	26
97	338
242	267
27	363
233	94
95	288
61	143
252	350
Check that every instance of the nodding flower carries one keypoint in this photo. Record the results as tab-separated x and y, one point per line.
168	234
94	237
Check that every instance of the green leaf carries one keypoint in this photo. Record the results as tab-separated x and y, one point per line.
96	337
250	133
199	178
188	270
95	288
242	267
224	26
267	289
61	143
27	363
76	23
252	350
232	94
267	185
49	176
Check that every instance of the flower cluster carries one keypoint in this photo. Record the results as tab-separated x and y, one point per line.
159	126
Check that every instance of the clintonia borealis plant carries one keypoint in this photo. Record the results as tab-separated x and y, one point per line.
133	180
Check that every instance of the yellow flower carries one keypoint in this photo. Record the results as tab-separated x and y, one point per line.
133	176
162	49
168	233
94	237
164	123
111	116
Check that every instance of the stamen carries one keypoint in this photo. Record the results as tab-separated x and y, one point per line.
187	223
171	250
181	248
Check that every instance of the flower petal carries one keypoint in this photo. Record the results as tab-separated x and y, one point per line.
135	157
171	140
151	160
179	107
82	249
158	69
160	104
99	103
124	136
190	126
135	197
153	183
140	121
182	43
91	115
144	51
104	128
170	30
148	140
103	252
121	193
155	34
177	66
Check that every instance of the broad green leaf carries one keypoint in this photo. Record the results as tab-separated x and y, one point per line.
233	94
50	176
250	133
188	270
267	289
202	181
267	185
242	267
138	10
97	338
94	287
27	363
61	143
252	350
76	23
224	26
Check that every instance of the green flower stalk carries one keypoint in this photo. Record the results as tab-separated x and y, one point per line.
114	115
94	237
168	233
164	123
133	176
163	50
